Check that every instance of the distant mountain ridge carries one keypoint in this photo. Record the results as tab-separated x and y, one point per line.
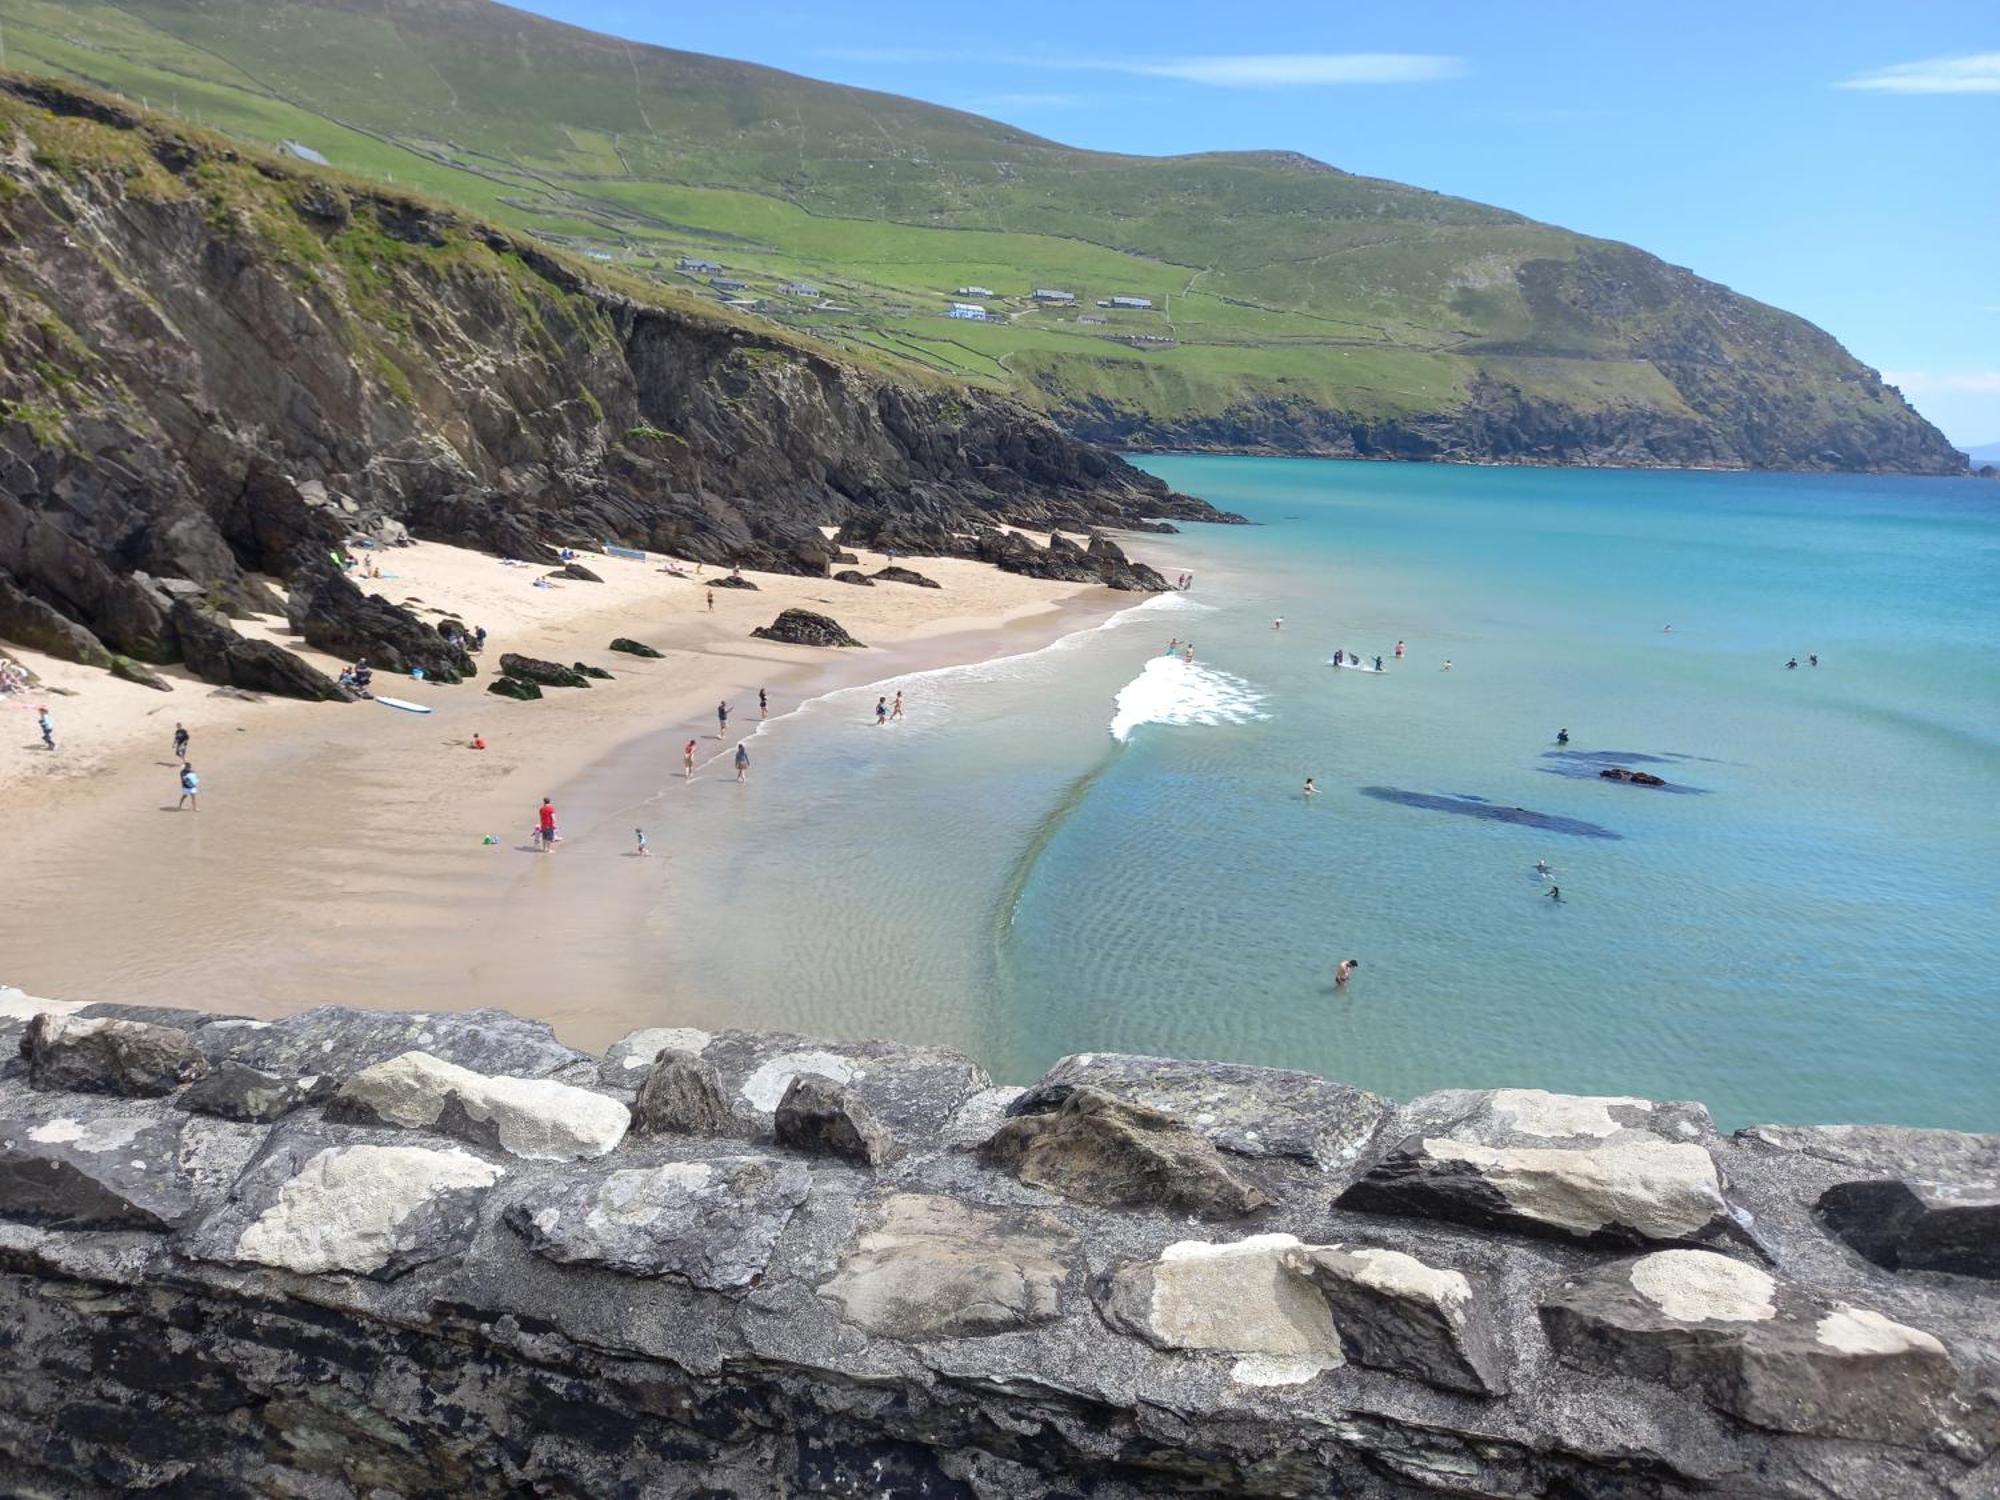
1294	307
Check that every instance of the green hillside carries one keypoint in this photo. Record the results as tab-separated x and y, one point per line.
1295	307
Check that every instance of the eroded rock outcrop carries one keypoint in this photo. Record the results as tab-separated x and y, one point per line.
460	1276
801	627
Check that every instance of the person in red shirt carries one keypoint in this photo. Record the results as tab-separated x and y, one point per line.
547	828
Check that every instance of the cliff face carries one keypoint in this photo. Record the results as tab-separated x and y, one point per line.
1742	385
212	368
355	1253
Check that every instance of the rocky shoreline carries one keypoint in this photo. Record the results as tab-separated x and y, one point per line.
364	1253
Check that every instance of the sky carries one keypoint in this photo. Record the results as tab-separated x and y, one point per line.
1838	159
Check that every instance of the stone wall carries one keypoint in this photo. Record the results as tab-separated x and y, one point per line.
368	1254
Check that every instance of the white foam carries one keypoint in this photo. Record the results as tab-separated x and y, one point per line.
1173	691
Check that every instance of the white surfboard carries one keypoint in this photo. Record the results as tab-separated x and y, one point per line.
405	705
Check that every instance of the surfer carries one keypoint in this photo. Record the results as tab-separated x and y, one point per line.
1378	663
180	742
1562	736
1311	790
545	826
1339	658
190	789
687	761
1344	971
742	760
896	712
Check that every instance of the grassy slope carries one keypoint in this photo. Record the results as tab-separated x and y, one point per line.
1275	277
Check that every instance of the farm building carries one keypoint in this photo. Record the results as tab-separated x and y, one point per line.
965	310
1049	294
975	291
726	283
698	266
798	289
1138	302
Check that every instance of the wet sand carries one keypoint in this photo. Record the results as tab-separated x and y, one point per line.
338	854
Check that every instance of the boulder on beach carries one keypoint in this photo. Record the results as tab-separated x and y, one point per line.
547	673
894	574
801	627
514	687
634	648
733	581
854	576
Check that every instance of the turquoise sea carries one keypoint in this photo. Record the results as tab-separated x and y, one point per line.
1094	847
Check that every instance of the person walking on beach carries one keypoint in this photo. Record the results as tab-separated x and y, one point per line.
546	828
881	712
721	719
897	711
47	727
190	789
742	760
180	742
1344	971
643	851
711	601
687	761
763	704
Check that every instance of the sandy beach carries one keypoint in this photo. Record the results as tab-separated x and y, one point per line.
339	855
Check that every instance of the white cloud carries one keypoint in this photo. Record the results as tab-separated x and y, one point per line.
1278	70
1974	73
1267	70
1934	382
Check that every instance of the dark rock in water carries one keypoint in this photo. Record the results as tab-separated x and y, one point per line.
326	1198
1394	1312
1095	1148
635	648
1255	1112
583	669
1907	1225
547	673
40	626
895	574
232	1091
932	1267
577	573
1116	571
95	1172
819	1116
713	1223
727	581
332	614
514	687
854	576
107	1056
214	652
1764	1350
1474	807
801	627
1636	778
682	1095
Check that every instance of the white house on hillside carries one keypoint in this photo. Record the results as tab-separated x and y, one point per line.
965	310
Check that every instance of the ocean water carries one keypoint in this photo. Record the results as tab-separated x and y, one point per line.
1099	847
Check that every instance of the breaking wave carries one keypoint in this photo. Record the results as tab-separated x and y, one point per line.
1173	691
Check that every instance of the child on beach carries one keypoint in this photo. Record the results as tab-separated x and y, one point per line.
742	760
48	729
687	760
897	711
545	827
180	742
881	712
190	789
640	835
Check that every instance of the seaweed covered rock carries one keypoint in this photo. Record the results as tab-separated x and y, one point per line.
630	647
895	574
546	673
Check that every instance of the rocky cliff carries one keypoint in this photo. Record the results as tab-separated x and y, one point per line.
357	1253
214	370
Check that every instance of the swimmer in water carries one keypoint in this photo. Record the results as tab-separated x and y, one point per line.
1279	623
1339	658
1562	736
1447	665
1311	790
1399	651
1556	894
1812	661
1187	652
1542	869
1344	972
1792	665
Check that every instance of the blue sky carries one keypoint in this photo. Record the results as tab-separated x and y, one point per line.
1840	159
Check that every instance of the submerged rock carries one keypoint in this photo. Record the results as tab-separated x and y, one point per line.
801	627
